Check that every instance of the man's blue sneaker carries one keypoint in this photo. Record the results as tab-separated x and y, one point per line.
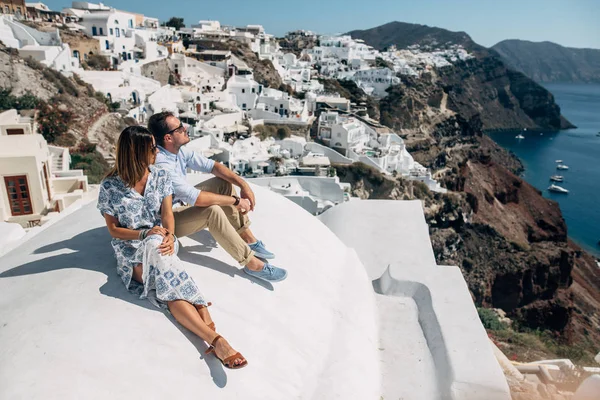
269	273
261	251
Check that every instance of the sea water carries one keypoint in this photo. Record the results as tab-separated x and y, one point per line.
579	149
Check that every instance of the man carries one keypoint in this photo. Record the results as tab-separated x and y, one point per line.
212	204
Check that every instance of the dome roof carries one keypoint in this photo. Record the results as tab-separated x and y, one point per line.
69	329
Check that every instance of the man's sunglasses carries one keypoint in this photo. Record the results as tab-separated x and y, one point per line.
176	129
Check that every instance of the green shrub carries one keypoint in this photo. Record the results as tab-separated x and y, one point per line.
34	64
27	102
7	100
53	122
283	132
87	158
24	102
97	62
490	319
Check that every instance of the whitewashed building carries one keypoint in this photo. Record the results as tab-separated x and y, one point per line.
202	75
45	47
383	151
35	178
115	32
245	91
375	81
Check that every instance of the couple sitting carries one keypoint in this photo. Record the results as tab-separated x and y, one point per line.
146	207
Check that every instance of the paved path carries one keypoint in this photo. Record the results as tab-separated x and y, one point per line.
93	138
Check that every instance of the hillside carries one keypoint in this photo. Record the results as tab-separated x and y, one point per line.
66	109
482	86
550	62
403	34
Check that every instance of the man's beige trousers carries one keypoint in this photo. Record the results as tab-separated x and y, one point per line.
225	223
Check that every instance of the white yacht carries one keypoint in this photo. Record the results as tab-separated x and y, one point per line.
557	189
559	161
519	137
556	178
562	166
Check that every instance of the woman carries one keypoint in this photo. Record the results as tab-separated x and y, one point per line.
136	201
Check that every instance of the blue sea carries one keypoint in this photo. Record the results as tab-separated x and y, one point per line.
579	149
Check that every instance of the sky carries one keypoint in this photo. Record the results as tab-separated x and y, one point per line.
573	23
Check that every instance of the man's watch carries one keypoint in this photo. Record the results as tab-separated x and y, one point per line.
237	200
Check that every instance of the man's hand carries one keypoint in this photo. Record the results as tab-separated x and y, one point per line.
244	206
158	230
248	194
167	247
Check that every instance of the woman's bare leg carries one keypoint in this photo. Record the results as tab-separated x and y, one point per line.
187	315
204	314
194	319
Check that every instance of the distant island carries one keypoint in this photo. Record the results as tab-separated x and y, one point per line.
550	62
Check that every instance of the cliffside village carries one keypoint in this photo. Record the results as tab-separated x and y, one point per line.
214	92
286	139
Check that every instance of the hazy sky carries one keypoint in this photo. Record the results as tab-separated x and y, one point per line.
574	23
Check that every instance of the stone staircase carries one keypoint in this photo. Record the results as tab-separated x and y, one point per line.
7	36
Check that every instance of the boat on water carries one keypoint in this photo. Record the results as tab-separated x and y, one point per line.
519	137
557	189
559	161
556	178
562	166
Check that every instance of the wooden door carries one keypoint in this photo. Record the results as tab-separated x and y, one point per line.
17	189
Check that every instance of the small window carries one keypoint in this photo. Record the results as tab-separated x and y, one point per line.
117	32
131	23
244	106
94	31
107	45
112	31
129	56
243	90
101	31
15	132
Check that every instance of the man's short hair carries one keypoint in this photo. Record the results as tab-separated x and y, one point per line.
157	125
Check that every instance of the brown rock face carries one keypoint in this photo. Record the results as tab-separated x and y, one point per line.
503	99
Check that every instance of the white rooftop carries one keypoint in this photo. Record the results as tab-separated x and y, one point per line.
327	332
70	330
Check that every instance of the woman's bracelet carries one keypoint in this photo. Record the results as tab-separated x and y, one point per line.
143	234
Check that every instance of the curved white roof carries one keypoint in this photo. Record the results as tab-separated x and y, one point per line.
70	330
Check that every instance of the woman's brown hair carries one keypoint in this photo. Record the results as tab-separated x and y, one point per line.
134	152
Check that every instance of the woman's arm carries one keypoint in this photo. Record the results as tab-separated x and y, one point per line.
118	232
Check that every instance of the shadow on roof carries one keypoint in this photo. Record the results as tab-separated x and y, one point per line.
91	250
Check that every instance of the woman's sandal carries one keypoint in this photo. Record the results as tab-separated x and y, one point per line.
212	324
229	362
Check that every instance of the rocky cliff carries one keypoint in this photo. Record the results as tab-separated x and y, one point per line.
550	62
482	86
